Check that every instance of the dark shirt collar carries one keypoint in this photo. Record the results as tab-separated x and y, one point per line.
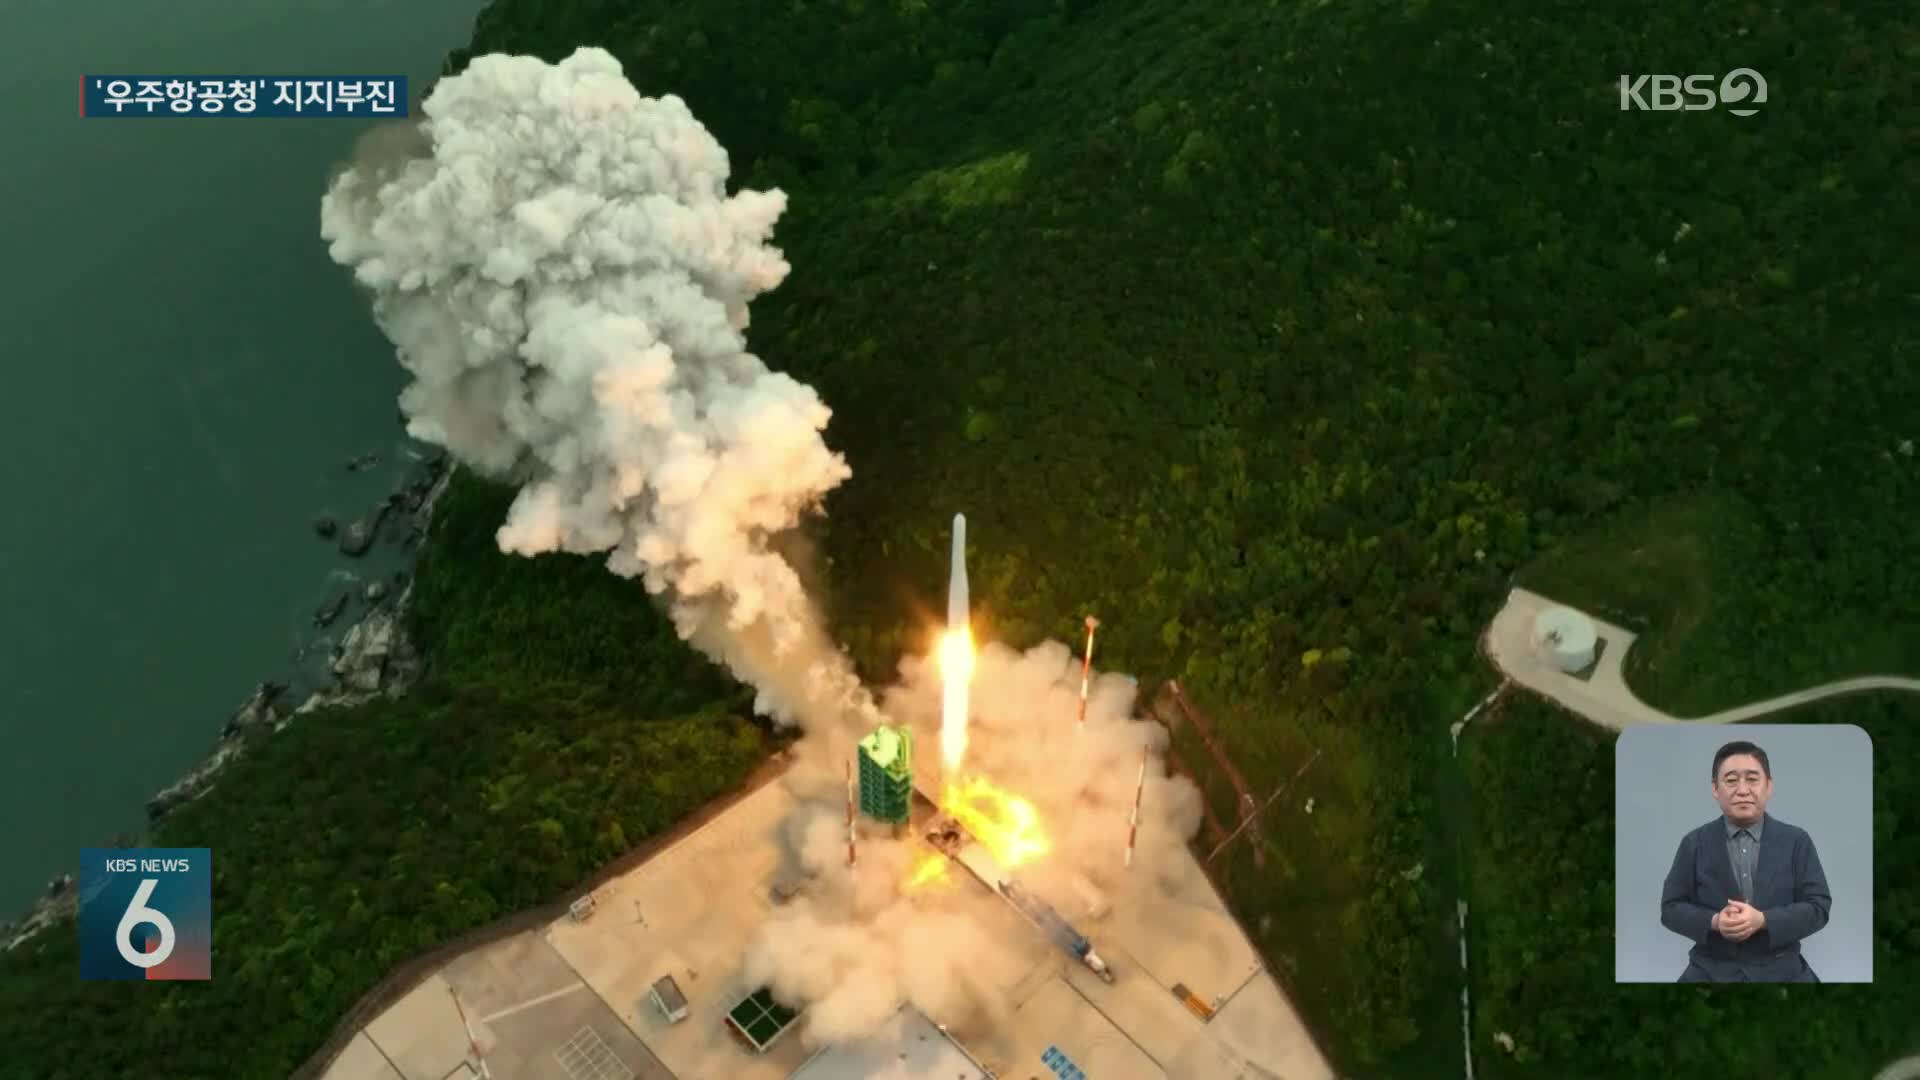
1754	828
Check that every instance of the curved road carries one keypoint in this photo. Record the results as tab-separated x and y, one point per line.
1604	696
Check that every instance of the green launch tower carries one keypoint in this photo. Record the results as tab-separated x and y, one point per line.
886	775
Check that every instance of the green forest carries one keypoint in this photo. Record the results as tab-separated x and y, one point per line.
1285	337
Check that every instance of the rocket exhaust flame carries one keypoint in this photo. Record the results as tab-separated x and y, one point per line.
956	656
931	868
1007	825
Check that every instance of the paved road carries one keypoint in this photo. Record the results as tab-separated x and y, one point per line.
1604	697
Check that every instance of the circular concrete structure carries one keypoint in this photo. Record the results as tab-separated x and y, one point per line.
1904	1069
1566	637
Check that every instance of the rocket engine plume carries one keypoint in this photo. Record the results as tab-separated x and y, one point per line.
956	657
1007	825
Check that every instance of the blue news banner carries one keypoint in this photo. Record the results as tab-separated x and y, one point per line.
146	913
243	95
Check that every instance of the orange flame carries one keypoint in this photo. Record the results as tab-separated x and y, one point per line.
931	868
1005	824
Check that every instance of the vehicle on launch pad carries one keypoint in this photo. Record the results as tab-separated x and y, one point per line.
1042	915
951	838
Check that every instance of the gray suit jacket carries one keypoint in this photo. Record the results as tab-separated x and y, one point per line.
1789	887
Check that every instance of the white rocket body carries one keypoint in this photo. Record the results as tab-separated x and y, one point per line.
956	657
957	583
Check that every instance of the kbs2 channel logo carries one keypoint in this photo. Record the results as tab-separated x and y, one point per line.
146	913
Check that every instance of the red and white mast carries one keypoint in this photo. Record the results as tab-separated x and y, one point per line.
1133	822
1086	672
850	855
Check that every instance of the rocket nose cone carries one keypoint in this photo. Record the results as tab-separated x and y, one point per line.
957	601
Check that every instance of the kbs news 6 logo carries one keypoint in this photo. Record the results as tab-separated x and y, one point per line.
146	913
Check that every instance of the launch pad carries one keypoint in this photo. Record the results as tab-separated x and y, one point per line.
1163	984
690	911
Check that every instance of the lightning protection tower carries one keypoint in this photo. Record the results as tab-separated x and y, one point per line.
886	775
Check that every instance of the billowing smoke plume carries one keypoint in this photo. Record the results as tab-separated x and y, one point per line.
566	279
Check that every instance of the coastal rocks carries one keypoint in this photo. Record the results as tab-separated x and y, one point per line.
390	521
399	523
359	535
325	527
60	901
374	658
330	610
256	713
194	784
364	461
362	662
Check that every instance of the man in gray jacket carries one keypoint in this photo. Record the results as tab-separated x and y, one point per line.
1745	888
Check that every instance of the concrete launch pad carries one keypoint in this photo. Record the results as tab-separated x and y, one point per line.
569	1001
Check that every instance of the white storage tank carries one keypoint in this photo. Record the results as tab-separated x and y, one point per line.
1566	637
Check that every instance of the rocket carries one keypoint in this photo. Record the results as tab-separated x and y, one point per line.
957	580
956	657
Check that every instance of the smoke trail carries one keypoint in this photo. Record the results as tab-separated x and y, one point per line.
566	279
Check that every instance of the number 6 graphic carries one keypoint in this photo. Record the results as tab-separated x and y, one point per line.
138	912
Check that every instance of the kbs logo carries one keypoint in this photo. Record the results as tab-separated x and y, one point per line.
1666	93
146	913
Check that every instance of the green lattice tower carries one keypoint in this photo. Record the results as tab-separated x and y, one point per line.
886	775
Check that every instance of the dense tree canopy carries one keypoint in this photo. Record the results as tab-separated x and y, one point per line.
361	837
1281	336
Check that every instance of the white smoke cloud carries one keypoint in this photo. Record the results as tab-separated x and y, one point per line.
860	943
566	279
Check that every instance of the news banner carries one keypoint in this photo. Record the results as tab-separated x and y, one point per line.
243	95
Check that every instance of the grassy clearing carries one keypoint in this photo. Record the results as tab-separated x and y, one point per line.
1712	593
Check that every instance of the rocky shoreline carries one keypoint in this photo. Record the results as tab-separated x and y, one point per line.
375	658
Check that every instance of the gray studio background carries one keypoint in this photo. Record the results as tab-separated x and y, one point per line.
1822	782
